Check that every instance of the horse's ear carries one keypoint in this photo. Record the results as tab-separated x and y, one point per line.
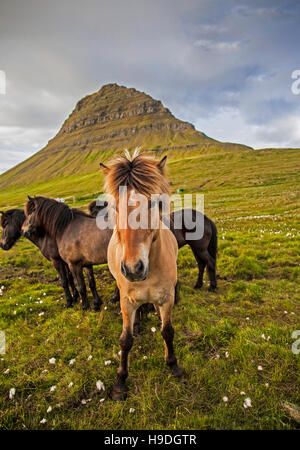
162	163
104	168
29	198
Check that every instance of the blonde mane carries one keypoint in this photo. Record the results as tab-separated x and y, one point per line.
137	171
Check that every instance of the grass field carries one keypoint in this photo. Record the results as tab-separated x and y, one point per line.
234	343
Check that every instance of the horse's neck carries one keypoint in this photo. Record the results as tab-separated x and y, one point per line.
37	240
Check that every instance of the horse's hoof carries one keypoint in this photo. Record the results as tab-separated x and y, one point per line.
85	307
118	392
69	305
97	307
212	288
198	286
177	372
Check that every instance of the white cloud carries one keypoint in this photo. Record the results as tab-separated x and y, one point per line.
221	46
228	121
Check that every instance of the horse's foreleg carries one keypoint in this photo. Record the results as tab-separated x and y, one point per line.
167	332
76	271
92	284
62	272
126	341
72	285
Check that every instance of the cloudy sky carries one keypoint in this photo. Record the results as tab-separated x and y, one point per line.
225	66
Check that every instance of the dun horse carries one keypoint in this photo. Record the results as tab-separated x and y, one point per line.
143	261
204	249
11	222
79	241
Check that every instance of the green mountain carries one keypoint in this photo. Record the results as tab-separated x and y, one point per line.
112	119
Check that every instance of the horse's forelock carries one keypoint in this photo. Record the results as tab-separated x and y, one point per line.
29	206
140	173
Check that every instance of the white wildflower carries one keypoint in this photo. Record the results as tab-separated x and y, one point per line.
43	420
52	360
100	385
49	409
259	368
83	402
225	399
107	363
41	313
71	362
52	389
243	393
12	393
247	403
145	357
131	410
267	384
6	371
70	384
102	400
153	329
226	354
90	357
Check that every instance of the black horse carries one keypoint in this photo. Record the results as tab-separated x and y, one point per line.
181	223
12	221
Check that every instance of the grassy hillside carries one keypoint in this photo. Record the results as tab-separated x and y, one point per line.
221	338
107	121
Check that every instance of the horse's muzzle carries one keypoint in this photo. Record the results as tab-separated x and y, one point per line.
5	246
139	273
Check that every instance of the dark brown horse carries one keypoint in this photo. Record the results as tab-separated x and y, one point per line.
11	222
81	244
204	248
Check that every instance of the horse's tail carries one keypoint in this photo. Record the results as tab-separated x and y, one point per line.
213	244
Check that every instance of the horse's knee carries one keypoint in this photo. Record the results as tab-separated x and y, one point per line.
126	341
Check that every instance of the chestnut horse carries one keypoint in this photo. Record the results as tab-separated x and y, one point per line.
143	261
81	244
11	222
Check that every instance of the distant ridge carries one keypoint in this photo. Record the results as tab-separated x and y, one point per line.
110	120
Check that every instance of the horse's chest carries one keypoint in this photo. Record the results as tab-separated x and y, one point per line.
140	295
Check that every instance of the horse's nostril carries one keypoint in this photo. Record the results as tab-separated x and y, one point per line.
139	268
